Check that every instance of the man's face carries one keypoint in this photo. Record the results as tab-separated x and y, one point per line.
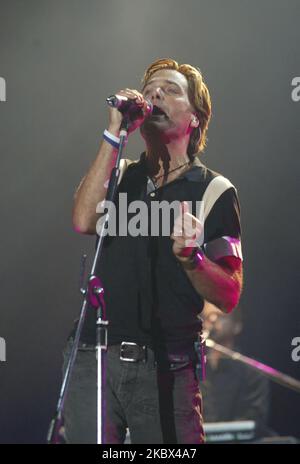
167	89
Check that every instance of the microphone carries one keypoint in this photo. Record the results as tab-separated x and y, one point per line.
128	106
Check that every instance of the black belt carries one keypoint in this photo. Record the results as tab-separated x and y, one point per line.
132	352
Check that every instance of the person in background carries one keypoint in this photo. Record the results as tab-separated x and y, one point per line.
232	391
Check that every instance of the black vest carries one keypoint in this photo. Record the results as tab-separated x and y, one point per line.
149	298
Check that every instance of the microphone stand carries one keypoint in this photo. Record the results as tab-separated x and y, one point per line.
267	371
93	296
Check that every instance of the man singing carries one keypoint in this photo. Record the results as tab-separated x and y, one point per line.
155	286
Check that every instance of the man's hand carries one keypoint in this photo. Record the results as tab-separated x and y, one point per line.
186	233
219	283
115	116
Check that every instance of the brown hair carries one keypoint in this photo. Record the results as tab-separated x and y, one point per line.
198	95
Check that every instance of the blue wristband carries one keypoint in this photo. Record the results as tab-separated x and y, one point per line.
111	139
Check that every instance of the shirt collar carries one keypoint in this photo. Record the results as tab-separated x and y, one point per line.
195	173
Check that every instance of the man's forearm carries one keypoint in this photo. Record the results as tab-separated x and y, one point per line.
214	284
92	190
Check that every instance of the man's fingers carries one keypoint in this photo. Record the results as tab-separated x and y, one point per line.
187	228
185	207
186	223
177	232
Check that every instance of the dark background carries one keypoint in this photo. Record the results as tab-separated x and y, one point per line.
60	59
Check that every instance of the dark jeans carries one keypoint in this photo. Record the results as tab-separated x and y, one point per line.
157	405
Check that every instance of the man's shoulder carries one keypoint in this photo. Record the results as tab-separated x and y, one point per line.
135	164
209	177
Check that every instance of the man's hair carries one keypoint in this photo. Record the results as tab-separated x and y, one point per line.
198	94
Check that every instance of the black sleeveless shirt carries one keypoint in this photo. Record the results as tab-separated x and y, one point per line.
149	298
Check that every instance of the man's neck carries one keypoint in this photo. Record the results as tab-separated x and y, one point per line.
162	158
